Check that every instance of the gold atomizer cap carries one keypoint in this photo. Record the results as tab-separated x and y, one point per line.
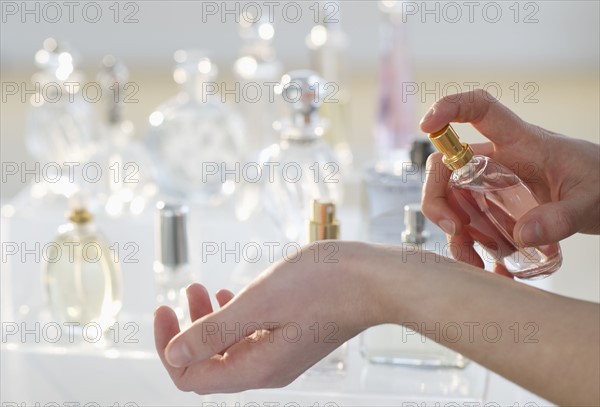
323	225
80	216
446	141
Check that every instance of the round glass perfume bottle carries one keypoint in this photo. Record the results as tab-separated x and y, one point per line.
489	198
195	138
302	167
82	275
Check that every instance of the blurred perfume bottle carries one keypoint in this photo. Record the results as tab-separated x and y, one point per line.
323	225
172	270
302	167
195	138
399	345
61	126
490	199
127	182
388	191
256	71
81	275
327	44
396	114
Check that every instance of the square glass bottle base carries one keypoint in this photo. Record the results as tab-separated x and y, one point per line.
396	345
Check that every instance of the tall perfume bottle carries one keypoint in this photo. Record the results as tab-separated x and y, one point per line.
82	276
302	167
195	138
257	70
388	191
399	345
60	127
327	43
396	125
257	67
490	199
127	184
172	270
323	225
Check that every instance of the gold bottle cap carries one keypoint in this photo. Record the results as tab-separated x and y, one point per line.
323	225
446	141
80	216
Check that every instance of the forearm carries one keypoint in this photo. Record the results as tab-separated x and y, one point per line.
544	342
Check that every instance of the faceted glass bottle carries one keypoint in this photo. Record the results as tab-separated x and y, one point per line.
398	345
303	165
489	198
82	274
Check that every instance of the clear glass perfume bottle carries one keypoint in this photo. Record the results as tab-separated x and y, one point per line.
328	43
257	70
302	167
60	125
399	345
257	66
82	274
490	199
172	270
195	137
391	185
323	225
127	184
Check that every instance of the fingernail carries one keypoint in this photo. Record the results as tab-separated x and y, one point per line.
427	116
530	233
448	226
179	354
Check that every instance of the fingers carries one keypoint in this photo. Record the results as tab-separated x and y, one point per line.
166	327
209	336
435	205
198	301
490	117
549	223
461	248
224	296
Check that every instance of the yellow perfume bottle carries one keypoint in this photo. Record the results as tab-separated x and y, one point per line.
82	276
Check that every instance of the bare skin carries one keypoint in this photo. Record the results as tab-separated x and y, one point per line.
549	343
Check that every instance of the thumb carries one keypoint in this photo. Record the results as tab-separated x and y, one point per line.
548	223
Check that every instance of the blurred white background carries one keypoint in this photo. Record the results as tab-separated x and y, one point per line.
553	45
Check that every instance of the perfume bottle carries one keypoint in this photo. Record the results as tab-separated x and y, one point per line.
302	167
399	345
127	184
328	43
256	70
82	276
490	199
389	185
195	139
323	225
396	125
172	270
60	126
257	66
